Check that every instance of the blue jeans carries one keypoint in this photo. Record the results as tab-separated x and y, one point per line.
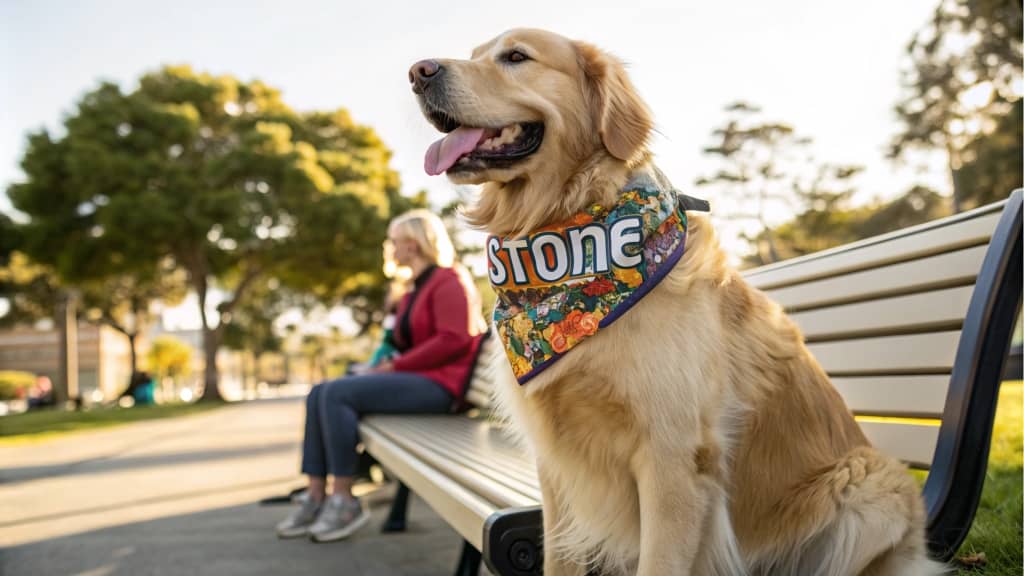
333	409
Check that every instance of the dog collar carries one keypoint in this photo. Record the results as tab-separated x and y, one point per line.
560	285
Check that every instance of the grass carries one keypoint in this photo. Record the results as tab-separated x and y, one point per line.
43	424
996	531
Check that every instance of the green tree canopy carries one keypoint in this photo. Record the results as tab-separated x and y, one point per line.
124	301
992	163
964	74
32	292
252	323
219	176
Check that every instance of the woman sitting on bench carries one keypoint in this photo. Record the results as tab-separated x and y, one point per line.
436	334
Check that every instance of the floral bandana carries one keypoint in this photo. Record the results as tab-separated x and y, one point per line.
563	283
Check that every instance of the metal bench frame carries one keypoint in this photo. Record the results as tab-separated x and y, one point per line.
957	475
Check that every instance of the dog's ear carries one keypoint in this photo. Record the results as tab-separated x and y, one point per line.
622	117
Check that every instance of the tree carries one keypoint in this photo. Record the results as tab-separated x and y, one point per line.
918	205
123	302
992	163
252	325
8	239
32	291
964	65
830	221
220	177
81	232
827	221
755	172
169	357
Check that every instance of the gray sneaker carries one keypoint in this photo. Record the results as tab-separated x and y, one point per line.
298	522
339	518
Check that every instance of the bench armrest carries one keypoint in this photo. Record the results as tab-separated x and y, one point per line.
513	542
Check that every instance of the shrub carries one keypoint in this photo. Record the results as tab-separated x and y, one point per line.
15	384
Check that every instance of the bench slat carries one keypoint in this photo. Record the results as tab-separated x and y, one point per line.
911	443
434	444
461	437
913	354
926	311
911	396
944	270
482	383
463	510
494	488
502	452
483	380
478	398
967	229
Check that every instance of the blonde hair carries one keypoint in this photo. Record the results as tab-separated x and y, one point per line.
428	231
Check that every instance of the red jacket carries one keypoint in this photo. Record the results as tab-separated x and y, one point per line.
445	331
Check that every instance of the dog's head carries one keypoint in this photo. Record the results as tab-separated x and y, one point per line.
542	118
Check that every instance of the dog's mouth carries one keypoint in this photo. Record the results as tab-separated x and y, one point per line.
471	149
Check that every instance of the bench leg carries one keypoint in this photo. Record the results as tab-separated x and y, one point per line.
396	518
469	562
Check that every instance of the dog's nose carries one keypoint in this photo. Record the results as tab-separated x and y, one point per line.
421	74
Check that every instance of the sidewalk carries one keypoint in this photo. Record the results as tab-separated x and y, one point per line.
180	496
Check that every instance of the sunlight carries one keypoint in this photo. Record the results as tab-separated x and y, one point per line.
977	97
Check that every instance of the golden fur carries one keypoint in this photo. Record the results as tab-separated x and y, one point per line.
696	435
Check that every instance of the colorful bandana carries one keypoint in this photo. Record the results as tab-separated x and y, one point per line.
563	283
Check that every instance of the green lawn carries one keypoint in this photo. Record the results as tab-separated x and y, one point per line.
997	528
37	425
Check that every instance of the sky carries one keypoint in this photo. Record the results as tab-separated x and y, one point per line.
830	69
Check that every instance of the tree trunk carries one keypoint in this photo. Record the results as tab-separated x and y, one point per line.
256	355
954	176
198	270
133	380
958	193
250	373
773	253
211	344
67	388
134	353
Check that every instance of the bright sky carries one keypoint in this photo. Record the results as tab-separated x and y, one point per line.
831	69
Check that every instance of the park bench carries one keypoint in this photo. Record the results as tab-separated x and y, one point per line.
913	327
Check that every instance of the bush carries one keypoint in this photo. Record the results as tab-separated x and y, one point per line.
15	384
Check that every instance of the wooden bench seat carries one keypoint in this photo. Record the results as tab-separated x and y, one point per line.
913	327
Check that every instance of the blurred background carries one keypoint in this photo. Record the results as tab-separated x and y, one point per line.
195	193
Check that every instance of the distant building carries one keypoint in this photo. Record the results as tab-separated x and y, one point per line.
104	360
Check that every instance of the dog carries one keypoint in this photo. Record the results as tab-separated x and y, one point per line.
696	434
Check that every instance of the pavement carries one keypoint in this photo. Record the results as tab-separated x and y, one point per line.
181	496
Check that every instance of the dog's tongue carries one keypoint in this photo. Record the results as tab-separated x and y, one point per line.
443	153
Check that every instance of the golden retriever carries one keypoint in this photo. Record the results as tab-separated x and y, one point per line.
696	435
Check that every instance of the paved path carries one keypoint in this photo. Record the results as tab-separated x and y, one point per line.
179	496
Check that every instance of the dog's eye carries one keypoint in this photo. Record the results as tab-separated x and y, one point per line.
515	57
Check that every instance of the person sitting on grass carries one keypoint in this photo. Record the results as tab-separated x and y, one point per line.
437	333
